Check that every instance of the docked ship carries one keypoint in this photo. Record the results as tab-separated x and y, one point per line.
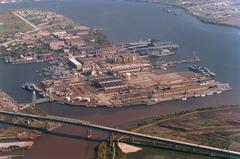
159	53
32	87
202	70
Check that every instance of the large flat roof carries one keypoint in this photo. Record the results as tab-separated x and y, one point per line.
74	61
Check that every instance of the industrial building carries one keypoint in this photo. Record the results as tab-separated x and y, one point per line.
129	68
77	65
109	83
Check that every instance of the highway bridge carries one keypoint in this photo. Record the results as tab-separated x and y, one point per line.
190	147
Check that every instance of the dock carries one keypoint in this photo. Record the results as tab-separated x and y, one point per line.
6	146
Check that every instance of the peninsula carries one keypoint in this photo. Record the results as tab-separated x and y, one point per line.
86	69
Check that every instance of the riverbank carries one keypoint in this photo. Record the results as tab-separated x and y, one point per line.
19	132
203	126
212	132
187	11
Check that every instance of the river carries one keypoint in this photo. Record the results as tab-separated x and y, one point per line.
217	46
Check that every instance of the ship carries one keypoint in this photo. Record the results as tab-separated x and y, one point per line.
27	86
202	70
140	44
32	87
163	52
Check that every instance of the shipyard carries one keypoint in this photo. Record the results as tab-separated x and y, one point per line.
85	68
78	67
118	75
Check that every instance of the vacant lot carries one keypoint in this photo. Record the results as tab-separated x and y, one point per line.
10	24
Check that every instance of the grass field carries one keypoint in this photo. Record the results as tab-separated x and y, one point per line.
10	24
154	153
2	26
218	127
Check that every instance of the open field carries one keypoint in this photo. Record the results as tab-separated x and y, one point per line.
156	153
10	24
217	127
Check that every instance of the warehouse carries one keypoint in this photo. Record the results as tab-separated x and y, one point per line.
77	65
109	83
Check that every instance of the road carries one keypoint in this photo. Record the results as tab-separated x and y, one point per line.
28	32
25	20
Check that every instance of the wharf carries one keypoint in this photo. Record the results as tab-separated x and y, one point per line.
11	156
172	63
9	145
183	61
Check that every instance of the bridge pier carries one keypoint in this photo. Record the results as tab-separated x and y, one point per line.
212	154
174	146
193	150
131	139
89	133
111	136
50	95
153	143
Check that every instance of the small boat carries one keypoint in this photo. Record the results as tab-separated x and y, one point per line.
197	95
184	99
219	92
209	94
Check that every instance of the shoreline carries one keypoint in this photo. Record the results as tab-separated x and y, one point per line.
133	105
160	118
22	133
203	20
145	123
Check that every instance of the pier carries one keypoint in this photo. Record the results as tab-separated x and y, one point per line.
40	100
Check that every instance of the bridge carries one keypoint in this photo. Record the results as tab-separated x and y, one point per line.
174	144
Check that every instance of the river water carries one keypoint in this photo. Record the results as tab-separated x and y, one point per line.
217	46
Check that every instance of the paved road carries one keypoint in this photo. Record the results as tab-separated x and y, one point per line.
25	20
